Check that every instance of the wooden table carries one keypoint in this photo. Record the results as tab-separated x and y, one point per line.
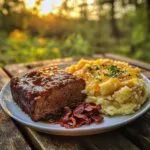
14	136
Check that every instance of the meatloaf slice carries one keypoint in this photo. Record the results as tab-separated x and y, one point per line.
46	91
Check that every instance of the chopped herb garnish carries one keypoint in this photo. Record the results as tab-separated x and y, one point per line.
113	68
114	71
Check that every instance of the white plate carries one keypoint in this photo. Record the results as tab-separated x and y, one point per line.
109	123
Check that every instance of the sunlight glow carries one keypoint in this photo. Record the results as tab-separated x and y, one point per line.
52	6
29	3
46	7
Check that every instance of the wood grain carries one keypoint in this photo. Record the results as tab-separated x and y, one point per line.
112	140
139	131
18	69
43	141
96	56
108	141
10	136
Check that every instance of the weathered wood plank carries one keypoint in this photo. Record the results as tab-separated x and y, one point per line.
94	142
139	131
133	134
46	142
10	136
17	69
108	141
96	56
131	61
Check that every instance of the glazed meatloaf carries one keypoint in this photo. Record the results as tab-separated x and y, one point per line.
46	91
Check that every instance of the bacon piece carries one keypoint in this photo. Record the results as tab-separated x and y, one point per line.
78	112
97	118
84	113
68	112
79	109
72	122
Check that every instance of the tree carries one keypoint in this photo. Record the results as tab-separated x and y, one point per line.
113	21
83	10
148	16
11	14
115	29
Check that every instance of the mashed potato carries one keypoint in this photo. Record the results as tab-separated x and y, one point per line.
117	86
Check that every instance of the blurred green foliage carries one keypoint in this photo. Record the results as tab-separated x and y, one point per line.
25	36
16	50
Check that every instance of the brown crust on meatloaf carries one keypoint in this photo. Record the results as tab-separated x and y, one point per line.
46	91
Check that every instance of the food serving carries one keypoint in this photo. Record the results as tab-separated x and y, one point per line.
116	85
46	91
81	93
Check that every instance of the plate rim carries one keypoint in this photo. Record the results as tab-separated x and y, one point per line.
74	131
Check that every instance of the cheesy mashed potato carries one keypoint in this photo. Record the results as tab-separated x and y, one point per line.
116	85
